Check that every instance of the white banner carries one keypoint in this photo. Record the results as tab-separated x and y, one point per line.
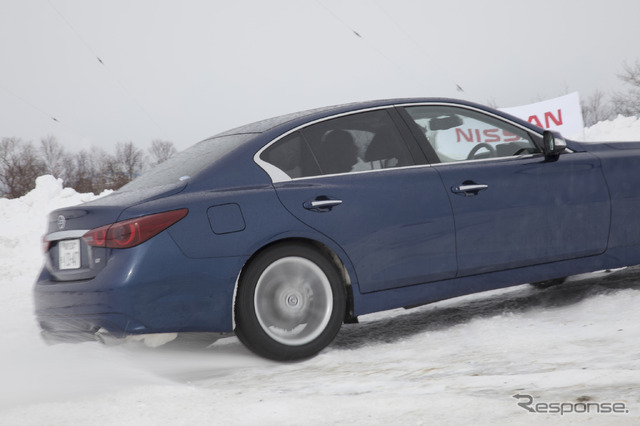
563	114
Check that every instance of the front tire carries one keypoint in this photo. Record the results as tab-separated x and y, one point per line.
290	303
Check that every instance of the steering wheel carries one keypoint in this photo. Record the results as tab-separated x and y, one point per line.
478	147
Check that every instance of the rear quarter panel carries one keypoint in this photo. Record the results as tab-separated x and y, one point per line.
255	219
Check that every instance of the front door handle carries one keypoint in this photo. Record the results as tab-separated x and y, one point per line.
321	204
468	189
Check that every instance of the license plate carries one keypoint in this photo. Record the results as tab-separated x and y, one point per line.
69	254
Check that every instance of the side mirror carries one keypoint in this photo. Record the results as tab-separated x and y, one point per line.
553	143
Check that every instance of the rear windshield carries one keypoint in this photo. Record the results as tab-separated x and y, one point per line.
188	163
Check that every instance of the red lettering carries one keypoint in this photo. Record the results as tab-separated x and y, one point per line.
535	120
491	135
510	137
484	135
548	118
549	115
467	138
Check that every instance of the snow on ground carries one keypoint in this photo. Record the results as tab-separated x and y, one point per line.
472	360
619	130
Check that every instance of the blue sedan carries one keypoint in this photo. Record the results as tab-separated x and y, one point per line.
284	229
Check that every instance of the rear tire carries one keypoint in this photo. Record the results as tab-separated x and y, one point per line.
290	303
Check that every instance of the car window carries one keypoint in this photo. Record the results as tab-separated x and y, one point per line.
457	134
357	142
189	162
292	156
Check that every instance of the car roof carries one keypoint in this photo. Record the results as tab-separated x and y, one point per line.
283	123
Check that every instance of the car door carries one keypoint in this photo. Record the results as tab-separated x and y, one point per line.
354	180
512	206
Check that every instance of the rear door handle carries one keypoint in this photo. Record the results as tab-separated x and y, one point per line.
469	189
321	204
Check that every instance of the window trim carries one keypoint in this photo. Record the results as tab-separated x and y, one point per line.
278	176
425	145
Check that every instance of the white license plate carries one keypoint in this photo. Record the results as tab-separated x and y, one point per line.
69	254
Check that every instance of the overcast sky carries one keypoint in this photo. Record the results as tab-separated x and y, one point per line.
94	73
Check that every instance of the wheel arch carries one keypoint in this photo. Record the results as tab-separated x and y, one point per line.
331	255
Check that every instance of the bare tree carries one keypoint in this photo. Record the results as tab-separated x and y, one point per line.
628	103
68	166
52	154
86	171
161	151
7	147
595	108
93	171
19	167
130	159
107	171
82	178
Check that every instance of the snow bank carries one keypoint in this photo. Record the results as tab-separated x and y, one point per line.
23	222
621	129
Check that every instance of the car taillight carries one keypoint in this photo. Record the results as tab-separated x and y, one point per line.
131	232
45	244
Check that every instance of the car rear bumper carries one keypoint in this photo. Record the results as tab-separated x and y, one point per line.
151	288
